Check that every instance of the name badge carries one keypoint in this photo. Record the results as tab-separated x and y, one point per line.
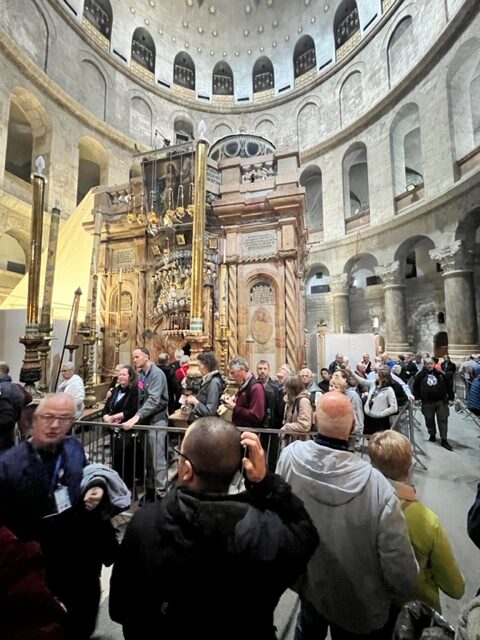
62	499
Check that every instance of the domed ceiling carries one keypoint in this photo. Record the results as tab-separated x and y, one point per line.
236	30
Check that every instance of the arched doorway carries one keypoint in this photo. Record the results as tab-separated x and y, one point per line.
440	344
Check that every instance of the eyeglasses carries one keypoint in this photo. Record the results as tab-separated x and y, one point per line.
47	417
195	470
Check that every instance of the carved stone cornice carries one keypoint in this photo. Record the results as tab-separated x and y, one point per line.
390	274
339	284
452	258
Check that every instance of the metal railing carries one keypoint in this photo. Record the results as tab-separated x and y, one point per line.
462	386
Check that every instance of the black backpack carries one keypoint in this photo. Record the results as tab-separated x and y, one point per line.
266	422
7	416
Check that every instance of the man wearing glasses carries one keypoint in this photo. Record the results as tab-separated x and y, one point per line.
206	563
41	499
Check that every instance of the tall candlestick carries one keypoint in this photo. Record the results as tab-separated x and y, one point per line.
93	264
34	263
76	306
45	323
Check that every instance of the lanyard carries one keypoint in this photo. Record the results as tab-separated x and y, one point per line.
55	477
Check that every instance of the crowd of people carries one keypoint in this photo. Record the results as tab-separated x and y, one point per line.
350	536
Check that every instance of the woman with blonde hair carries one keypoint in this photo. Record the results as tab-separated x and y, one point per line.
391	453
298	408
381	402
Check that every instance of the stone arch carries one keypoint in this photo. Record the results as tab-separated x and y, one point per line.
346	22
184	70
100	14
183	129
351	98
463	85
406	149
307	125
93	88
360	270
263	75
222	129
414	258
92	166
29	134
143	49
141	119
304	56
311	179
468	229
222	79
265	127
402	46
32	34
355	180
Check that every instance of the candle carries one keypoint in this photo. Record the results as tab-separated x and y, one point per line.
76	304
225	250
120	276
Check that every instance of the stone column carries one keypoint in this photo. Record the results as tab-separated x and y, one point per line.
232	296
291	315
460	311
340	296
395	308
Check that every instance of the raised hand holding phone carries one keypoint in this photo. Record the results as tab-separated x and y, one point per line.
254	465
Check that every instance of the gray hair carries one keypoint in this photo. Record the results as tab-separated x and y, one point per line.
239	363
67	366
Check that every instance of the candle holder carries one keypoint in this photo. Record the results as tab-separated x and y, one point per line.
43	351
89	340
31	371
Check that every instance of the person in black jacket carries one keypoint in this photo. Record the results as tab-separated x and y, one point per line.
120	407
173	384
230	557
207	400
435	391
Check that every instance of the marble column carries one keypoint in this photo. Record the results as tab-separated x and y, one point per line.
460	310
341	303
395	308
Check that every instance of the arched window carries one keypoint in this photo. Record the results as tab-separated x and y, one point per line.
406	146
29	134
222	81
355	180
19	144
184	71
143	49
304	57
99	13
183	129
463	86
402	50
92	166
311	179
346	22
263	76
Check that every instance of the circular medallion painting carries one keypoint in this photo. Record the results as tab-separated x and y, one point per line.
262	325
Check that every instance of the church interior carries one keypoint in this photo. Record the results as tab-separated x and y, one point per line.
247	177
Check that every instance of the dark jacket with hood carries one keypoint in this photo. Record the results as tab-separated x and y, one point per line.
211	565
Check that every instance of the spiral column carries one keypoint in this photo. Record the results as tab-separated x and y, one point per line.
232	310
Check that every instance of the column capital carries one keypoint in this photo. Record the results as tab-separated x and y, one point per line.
390	274
339	284
452	258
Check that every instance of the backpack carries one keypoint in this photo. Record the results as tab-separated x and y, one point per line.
267	420
7	416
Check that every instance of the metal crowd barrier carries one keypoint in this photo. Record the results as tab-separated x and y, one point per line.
462	385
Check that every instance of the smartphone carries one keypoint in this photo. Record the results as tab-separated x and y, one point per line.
245	452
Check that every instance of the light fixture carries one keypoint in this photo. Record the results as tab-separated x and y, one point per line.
411	186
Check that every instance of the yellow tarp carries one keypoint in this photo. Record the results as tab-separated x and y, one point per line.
74	253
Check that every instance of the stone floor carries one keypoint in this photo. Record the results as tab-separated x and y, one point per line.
448	487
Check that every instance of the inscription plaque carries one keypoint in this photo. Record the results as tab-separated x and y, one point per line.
262	244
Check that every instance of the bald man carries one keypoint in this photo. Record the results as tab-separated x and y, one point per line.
221	553
364	559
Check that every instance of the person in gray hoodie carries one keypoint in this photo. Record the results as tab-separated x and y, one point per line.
364	561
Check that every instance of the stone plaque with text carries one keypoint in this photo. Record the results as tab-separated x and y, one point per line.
261	244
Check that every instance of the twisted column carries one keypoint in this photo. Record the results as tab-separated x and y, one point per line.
141	306
341	307
291	317
395	308
460	309
232	296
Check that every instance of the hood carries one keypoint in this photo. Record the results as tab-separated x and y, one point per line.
327	475
230	523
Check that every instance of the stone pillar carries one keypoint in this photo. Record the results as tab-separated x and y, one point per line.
460	311
291	315
232	296
340	296
395	308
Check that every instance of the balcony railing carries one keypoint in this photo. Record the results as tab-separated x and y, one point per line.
222	85
305	62
143	55
347	28
184	76
94	13
263	81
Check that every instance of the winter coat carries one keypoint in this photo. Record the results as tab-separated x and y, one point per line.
364	559
298	417
434	553
208	396
247	547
